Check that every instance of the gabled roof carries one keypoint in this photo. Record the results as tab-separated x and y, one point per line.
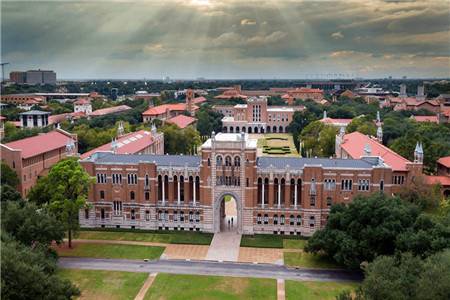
433	119
161	109
445	161
110	110
130	143
160	160
354	143
42	143
82	101
442	180
182	121
336	121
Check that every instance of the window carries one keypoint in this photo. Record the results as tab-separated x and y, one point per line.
133	214
266	219
312	221
363	185
237	161
259	219
181	216
312	201
102	195
147	196
346	184
147	215
166	215
197	217
209	162
159	215
101	178
117	178
291	220
329	201
330	184
282	220
175	216
228	161
247	182
102	213
132	178
299	220
132	196
275	220
398	179
147	181
381	185
117	206
191	217
86	213
219	160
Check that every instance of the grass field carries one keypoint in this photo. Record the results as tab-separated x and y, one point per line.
272	241
169	237
186	287
112	251
308	260
109	285
315	290
277	144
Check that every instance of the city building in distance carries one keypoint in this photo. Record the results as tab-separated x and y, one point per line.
33	77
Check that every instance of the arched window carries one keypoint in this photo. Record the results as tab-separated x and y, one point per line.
256	130
283	188
249	130
381	185
237	129
266	219
259	189
266	191
197	217
237	161
191	217
219	160
228	161
133	214
259	219
181	188
147	181
299	220
209	162
292	192
274	129
275	219
329	201
175	187
291	220
102	213
299	191
86	213
275	190
231	129
282	220
160	187
280	130
312	221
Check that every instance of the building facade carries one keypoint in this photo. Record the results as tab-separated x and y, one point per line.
33	157
274	195
256	116
34	119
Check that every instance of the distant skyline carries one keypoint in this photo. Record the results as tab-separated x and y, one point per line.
227	39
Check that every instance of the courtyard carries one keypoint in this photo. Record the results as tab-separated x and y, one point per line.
275	144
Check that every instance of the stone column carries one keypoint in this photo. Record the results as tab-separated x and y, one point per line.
271	196
163	191
194	191
279	194
178	194
295	195
262	195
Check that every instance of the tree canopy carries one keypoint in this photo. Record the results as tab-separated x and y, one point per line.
319	139
180	141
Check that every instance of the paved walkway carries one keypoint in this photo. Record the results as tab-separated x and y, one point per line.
147	284
224	246
281	291
261	255
178	251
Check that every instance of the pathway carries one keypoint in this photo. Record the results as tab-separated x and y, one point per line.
209	268
224	246
281	291
147	284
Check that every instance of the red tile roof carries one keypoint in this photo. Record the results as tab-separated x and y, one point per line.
433	119
130	143
197	100
336	121
443	180
161	109
39	144
305	90
445	161
110	110
355	142
2	118
182	121
82	101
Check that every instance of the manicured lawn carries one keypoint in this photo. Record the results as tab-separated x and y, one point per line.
169	237
271	241
112	251
307	260
185	287
294	244
277	144
315	290
109	285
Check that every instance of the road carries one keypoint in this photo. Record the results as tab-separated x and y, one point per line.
209	268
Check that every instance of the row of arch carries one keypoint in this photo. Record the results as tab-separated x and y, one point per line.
279	196
254	129
282	220
180	192
228	161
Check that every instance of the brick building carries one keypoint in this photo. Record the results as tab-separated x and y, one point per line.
256	116
273	194
33	157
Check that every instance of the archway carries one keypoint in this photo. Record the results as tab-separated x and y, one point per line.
227	213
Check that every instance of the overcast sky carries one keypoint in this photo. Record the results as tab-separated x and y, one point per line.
227	39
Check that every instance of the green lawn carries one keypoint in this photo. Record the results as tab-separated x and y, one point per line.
272	241
109	285
169	237
112	251
307	260
185	287
296	290
277	144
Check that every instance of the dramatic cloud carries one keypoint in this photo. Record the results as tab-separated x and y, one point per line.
227	38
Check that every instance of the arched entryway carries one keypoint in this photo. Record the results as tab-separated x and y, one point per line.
227	213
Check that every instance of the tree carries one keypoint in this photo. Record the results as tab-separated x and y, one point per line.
30	225
319	139
363	229
299	121
31	273
9	193
363	124
408	277
66	191
8	176
180	141
208	121
421	194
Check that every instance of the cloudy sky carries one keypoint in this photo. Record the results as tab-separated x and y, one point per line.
228	39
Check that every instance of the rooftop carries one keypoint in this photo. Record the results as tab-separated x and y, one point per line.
445	161
300	162
110	110
161	109
160	160
35	112
182	121
42	143
354	143
129	143
433	119
231	138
